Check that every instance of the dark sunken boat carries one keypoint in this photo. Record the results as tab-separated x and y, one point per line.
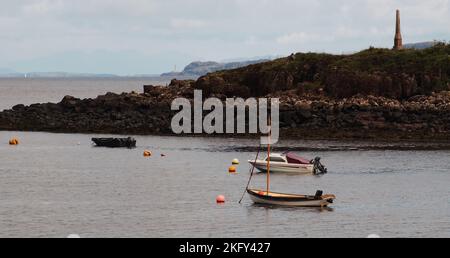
115	142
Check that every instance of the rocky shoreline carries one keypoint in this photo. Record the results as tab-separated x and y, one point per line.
302	115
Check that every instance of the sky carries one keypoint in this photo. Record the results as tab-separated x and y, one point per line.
130	37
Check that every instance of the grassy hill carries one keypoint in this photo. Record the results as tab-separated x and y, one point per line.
379	72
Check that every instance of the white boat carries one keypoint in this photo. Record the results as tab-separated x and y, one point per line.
289	163
290	200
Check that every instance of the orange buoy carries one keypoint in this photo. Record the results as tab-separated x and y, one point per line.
232	169
220	199
14	141
147	153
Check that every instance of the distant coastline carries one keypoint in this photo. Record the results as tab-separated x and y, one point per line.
63	75
191	71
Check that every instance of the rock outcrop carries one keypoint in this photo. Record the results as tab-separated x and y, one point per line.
301	115
126	113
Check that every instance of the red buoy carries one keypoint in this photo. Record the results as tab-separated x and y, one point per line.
232	170
220	199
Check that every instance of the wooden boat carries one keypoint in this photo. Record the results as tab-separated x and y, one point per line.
267	197
290	163
295	200
115	142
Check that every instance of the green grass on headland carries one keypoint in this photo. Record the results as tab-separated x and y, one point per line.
379	72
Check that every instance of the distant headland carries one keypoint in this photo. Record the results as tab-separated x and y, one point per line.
191	71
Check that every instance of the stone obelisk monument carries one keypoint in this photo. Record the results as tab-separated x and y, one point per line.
398	41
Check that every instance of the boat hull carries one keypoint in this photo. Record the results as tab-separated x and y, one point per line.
115	142
288	200
276	167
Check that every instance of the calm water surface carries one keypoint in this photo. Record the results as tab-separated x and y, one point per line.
53	185
42	90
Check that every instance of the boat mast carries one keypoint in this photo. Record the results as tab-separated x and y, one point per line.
268	156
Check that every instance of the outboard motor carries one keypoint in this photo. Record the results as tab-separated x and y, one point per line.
318	195
319	169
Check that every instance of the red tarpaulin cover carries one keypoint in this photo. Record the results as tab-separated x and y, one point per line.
294	159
